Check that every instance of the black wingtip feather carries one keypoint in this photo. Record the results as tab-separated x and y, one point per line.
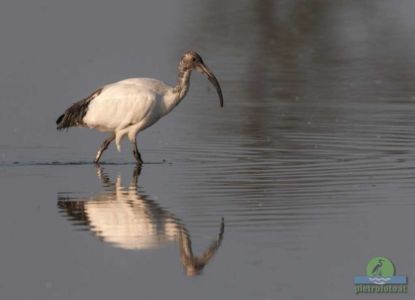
62	122
74	115
59	120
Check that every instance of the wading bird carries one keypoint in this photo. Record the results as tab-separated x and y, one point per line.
127	107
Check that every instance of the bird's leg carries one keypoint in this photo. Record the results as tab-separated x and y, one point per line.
104	147
136	153
104	178
136	174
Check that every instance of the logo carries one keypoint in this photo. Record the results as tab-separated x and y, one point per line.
380	278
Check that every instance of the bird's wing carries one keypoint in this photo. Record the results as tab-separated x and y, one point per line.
124	103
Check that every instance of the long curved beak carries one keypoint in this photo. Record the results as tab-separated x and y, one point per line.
205	70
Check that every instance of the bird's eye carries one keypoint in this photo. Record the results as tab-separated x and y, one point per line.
193	59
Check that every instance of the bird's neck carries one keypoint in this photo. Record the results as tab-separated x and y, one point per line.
180	90
183	83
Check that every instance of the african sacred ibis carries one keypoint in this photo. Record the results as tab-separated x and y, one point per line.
129	106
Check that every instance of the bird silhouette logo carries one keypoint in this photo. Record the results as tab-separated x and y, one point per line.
380	270
380	278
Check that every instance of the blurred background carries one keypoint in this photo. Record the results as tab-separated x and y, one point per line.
310	162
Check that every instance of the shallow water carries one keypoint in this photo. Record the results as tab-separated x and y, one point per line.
285	193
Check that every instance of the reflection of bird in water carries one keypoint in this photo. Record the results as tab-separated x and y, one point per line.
377	270
128	219
193	265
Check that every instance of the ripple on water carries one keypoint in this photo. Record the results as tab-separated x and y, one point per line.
288	177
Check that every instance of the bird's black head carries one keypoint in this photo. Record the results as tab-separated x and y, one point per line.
190	61
193	61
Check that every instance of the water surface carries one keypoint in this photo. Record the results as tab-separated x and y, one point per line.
285	193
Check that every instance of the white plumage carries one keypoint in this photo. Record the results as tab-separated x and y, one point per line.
127	107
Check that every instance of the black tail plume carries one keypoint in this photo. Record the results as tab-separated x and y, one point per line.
71	117
59	120
75	114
